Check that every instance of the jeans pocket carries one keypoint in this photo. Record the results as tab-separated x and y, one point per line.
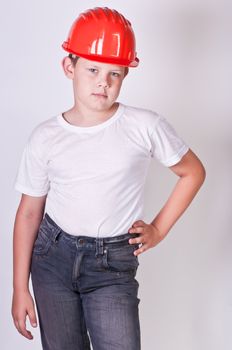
122	259
43	240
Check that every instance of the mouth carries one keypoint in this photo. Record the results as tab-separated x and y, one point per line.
100	95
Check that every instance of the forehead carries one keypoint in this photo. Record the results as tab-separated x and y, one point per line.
101	65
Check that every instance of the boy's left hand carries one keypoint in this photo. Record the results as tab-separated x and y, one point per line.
149	236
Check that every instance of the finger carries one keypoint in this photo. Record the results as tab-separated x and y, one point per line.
138	223
16	324
32	317
22	329
135	240
140	250
138	229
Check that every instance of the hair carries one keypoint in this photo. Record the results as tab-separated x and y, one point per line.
75	58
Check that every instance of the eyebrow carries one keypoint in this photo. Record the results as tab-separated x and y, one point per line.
93	65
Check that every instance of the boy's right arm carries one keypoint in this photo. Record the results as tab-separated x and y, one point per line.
28	218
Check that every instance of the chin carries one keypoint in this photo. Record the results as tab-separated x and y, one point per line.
103	105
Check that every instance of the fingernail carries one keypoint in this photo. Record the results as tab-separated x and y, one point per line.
34	324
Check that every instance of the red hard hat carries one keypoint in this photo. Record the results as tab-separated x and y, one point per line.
103	35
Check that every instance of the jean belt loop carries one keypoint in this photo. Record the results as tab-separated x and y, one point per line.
56	234
99	246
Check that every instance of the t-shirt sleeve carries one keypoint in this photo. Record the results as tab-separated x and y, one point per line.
167	146
32	176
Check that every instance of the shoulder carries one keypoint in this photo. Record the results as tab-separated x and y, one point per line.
143	116
42	136
44	130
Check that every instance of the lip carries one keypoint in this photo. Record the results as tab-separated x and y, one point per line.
100	95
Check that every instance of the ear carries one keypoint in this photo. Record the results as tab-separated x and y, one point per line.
126	72
68	68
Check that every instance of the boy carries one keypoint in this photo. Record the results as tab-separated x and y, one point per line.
87	167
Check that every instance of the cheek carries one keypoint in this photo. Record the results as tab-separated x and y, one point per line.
84	85
117	85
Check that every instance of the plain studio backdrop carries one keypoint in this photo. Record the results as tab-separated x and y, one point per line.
185	74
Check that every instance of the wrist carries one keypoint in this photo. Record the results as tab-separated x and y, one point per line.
158	231
21	288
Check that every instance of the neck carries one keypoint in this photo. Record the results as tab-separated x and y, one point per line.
82	116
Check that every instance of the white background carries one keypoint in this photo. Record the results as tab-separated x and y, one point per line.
185	74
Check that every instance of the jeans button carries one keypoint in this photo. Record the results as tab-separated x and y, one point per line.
81	241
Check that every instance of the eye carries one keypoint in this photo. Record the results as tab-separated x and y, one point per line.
93	70
115	74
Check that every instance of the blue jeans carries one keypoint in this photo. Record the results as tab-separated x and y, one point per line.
85	290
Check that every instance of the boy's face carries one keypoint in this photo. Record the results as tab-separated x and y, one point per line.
96	85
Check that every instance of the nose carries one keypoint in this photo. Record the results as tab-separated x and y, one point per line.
104	81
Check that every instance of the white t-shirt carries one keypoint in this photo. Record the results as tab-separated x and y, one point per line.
94	176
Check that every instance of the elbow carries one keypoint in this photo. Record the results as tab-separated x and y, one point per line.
200	174
197	174
198	171
203	176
